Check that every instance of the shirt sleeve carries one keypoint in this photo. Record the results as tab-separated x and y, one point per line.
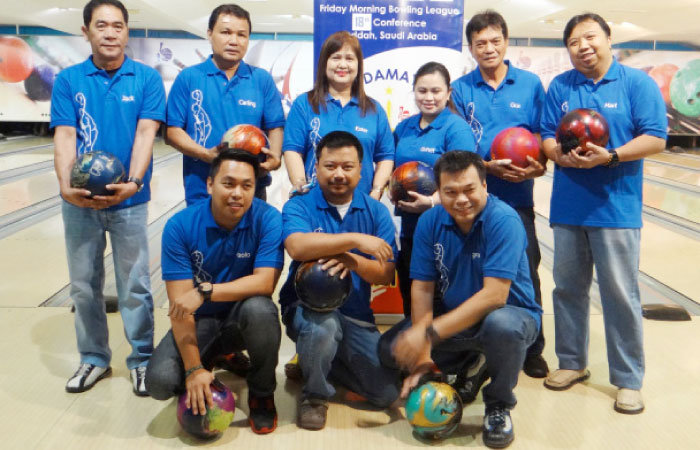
551	112
648	107
296	131
459	136
153	106
273	116
384	143
270	250
175	256
505	243
295	218
422	256
178	102
62	107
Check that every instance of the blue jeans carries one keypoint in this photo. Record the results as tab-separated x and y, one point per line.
331	346
251	324
615	254
503	336
85	230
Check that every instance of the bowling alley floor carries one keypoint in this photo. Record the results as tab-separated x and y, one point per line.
38	351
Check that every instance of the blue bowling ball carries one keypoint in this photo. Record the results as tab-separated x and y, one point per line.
320	291
95	170
39	84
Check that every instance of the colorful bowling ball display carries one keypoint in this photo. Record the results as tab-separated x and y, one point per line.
685	89
217	418
39	84
662	75
246	137
413	176
16	59
581	126
95	170
434	410
516	144
319	291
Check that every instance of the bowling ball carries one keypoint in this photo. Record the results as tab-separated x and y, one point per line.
246	137
319	291
217	418
516	144
662	75
40	83
16	59
95	170
685	89
413	176
580	126
434	410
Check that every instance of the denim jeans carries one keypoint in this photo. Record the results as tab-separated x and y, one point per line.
332	346
503	336
527	215
85	230
615	254
251	324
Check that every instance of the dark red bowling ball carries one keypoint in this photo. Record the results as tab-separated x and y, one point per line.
319	291
413	176
516	144
246	137
580	126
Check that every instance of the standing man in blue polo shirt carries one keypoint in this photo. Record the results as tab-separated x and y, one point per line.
350	232
221	261
493	97
596	207
209	98
472	247
110	103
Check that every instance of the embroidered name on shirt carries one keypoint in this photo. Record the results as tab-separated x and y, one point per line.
515	105
250	103
363	130
610	105
427	149
243	255
128	98
476	255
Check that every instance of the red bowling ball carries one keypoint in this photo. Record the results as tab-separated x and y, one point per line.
581	126
246	137
516	144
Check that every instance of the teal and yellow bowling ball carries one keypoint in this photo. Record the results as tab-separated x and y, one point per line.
434	410
685	89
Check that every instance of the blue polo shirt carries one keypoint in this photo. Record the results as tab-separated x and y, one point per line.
632	104
311	213
446	132
205	103
105	110
195	248
457	262
305	129
517	102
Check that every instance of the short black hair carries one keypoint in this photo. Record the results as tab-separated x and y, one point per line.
485	19
338	139
229	9
94	4
457	161
571	24
234	154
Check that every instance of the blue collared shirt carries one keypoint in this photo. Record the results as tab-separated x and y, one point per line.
632	104
458	262
105	110
195	247
446	132
311	213
517	102
305	129
205	103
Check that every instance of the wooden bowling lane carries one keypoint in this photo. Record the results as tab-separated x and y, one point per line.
672	173
681	160
15	144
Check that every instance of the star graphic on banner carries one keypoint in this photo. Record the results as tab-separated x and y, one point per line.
388	91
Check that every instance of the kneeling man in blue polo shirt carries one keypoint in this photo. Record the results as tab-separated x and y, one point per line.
473	246
351	232
221	259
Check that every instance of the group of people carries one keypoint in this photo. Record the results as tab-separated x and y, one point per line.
468	258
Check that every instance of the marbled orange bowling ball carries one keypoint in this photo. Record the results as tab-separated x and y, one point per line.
516	144
246	137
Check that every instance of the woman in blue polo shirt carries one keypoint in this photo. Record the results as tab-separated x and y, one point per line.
338	102
424	137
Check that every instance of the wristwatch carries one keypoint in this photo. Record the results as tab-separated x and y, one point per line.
138	181
614	160
205	289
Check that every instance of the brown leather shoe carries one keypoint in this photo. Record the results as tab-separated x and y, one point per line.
535	366
563	379
312	414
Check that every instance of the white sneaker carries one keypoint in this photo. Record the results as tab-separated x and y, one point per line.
86	376
629	401
138	381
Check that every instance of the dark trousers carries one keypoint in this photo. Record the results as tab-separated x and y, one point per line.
527	215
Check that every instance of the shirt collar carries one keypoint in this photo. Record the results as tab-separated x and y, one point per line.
511	75
612	74
329	98
211	69
322	203
438	122
127	67
209	222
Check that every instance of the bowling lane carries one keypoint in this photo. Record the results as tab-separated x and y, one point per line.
681	160
11	145
677	174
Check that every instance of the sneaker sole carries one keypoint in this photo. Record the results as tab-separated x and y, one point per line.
263	430
78	390
580	379
629	412
141	394
498	444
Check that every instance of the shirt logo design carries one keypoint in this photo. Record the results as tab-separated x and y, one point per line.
250	103
360	129
314	138
318	230
202	123
565	107
427	149
610	105
200	275
515	105
127	98
476	255
88	126
444	283
477	128
243	255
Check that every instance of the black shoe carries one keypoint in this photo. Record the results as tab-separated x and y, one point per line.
468	385
498	428
535	366
237	363
263	414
